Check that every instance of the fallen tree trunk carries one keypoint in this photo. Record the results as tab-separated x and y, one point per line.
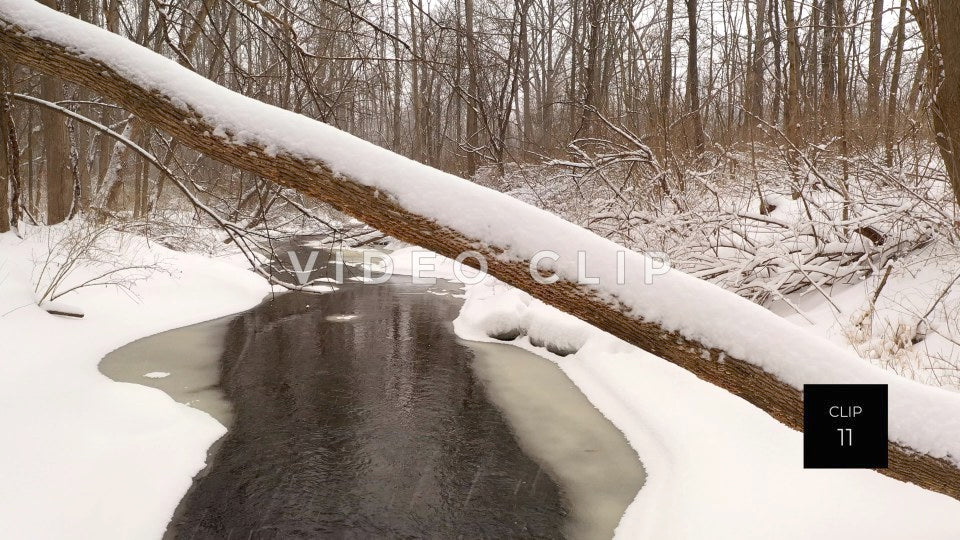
60	52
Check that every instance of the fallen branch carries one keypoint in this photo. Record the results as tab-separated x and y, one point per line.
45	49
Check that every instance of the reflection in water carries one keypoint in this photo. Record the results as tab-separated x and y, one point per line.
359	414
372	427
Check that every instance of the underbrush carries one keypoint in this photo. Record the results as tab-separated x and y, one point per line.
785	226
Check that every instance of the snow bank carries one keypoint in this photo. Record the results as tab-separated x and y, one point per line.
912	329
82	456
496	310
717	467
923	418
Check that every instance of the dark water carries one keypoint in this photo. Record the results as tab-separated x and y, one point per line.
360	427
359	414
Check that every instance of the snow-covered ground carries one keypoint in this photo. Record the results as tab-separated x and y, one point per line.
100	454
911	329
82	456
924	418
87	457
717	466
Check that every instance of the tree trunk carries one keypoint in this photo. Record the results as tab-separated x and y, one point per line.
527	120
828	74
56	147
5	179
10	184
873	71
473	68
791	110
591	75
773	21
417	150
754	91
397	82
842	106
891	123
946	104
108	195
693	81
378	209
939	23
666	76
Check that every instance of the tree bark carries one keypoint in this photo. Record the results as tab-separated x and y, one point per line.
417	151
873	70
779	399
397	82
5	180
842	106
527	120
791	110
828	73
693	80
473	68
946	103
591	71
754	90
890	128
666	77
773	21
56	146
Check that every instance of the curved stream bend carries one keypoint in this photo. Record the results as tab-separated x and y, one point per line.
359	414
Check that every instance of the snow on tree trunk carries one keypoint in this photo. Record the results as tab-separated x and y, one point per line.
714	334
109	190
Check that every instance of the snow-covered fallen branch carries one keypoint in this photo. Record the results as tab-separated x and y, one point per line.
715	334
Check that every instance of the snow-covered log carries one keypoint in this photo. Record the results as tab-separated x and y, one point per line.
717	335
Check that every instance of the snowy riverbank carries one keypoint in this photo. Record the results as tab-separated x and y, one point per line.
87	457
83	456
717	466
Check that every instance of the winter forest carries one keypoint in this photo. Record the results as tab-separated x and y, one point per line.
672	126
802	155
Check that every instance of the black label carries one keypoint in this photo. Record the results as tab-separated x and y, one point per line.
845	426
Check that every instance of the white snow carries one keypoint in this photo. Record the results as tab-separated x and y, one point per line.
892	332
411	260
83	456
157	375
717	467
923	418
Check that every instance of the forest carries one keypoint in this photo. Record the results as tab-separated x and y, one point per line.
798	161
640	120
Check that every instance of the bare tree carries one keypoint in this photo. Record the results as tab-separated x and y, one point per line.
666	75
473	68
738	375
892	101
791	110
940	24
754	91
4	167
56	155
828	64
693	79
873	67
